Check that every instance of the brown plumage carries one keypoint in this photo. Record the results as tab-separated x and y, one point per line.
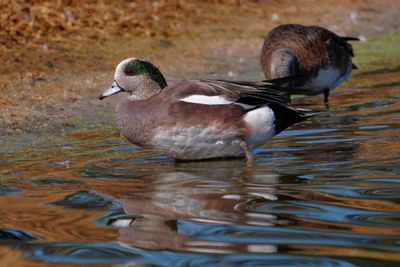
164	110
322	57
198	119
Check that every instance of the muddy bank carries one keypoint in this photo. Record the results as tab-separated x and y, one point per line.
55	82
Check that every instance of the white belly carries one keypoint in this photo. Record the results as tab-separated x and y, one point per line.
326	78
194	143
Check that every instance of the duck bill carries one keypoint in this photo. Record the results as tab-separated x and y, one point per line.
112	90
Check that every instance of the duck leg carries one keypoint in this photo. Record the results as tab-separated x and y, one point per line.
288	98
247	152
326	95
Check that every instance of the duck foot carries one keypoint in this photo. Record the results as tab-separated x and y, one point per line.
247	152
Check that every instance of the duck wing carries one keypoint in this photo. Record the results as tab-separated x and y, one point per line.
214	92
253	93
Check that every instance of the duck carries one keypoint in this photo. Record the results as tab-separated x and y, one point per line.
321	57
198	119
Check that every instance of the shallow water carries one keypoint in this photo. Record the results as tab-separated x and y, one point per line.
324	193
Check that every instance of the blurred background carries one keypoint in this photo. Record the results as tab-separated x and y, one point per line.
57	56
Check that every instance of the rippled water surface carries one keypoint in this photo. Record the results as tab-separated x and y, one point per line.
324	193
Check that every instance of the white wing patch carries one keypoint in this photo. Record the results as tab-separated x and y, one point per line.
206	100
212	100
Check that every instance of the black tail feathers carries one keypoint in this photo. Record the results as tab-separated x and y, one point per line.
287	116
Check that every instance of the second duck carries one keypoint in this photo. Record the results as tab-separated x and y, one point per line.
322	57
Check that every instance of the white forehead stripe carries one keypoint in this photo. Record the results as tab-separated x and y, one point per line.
119	70
212	100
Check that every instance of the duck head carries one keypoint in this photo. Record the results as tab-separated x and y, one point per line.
138	77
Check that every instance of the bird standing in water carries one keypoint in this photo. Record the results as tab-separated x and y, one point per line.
322	57
198	119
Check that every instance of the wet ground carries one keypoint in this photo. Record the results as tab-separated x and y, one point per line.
54	80
324	193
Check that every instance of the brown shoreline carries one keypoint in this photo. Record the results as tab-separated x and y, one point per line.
49	81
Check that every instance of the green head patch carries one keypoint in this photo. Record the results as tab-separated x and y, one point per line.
142	67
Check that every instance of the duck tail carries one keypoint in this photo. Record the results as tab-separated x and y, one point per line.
286	116
350	38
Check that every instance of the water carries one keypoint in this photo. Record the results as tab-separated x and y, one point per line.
324	193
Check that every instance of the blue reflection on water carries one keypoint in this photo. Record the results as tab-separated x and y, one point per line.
103	253
281	235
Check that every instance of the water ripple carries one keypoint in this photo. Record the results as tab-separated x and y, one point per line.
15	235
324	193
108	253
88	200
325	212
281	235
5	190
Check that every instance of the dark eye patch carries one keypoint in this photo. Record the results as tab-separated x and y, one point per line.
130	70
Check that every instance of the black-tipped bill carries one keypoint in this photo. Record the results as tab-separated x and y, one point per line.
112	90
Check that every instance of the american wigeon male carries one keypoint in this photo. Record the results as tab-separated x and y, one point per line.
323	57
198	119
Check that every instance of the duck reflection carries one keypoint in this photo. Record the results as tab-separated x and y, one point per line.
203	192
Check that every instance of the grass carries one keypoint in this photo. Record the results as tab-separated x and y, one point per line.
378	54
